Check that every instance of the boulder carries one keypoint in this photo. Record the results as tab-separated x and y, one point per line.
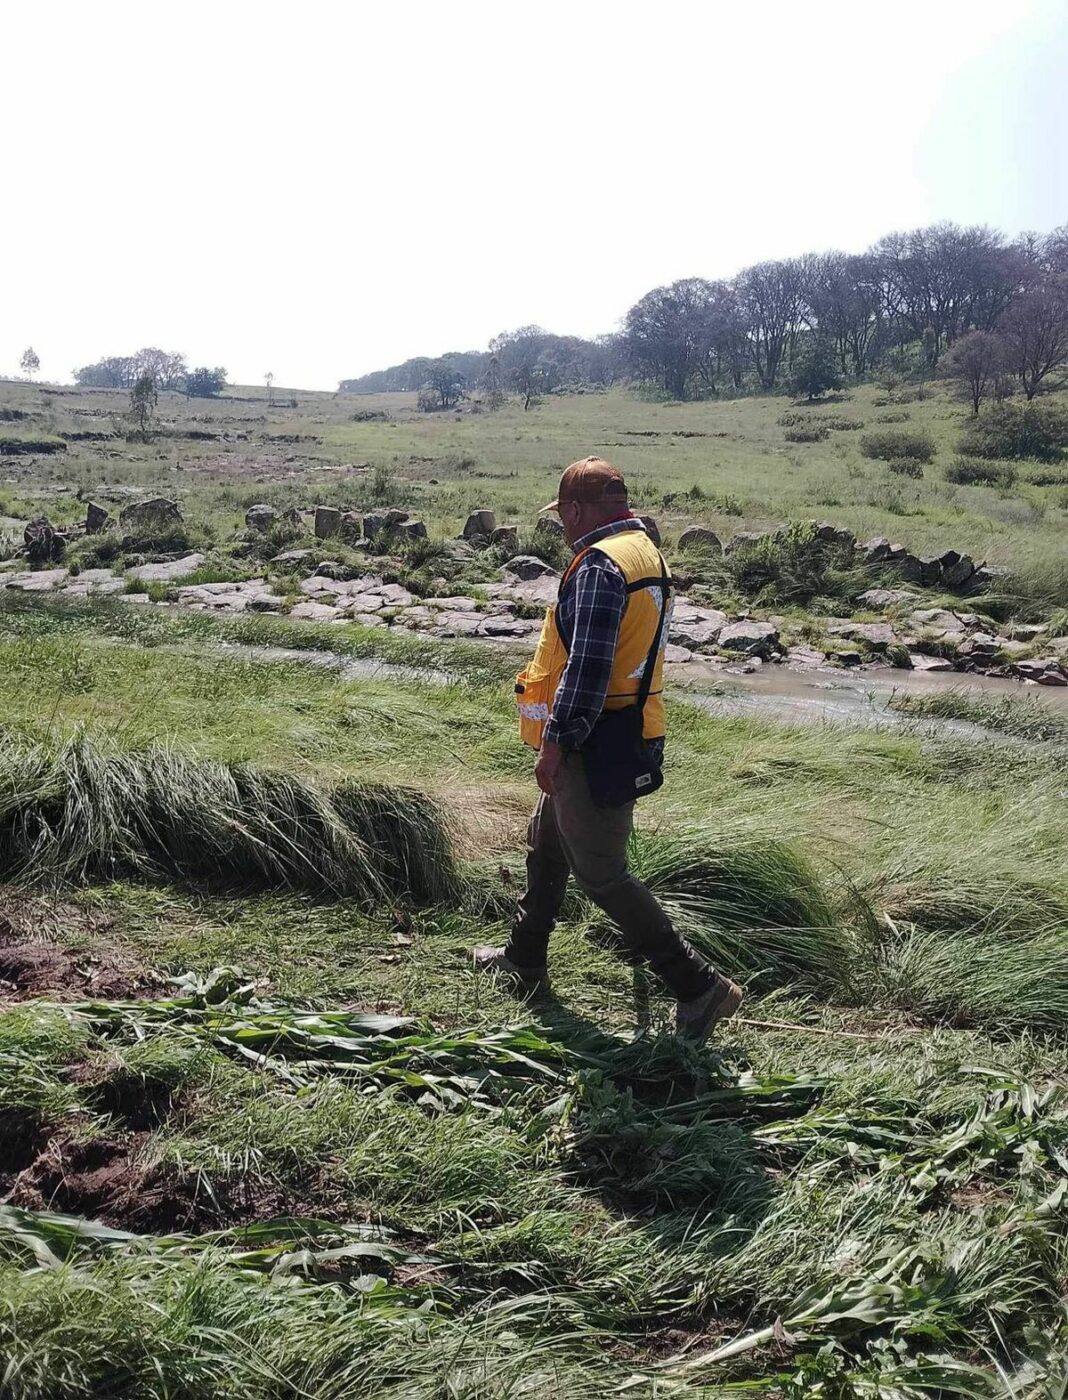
694	627
700	537
876	550
1045	670
40	581
151	516
542	590
652	529
44	543
315	612
676	655
844	539
167	571
290	556
749	638
888	597
505	537
96	518
327	522
805	657
260	517
412	530
985	576
910	567
480	524
548	527
528	566
846	658
330	568
957	569
929	663
875	635
350	527
744	539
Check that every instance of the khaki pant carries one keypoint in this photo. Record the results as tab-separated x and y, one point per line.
570	835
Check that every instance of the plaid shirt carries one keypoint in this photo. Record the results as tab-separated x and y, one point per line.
588	617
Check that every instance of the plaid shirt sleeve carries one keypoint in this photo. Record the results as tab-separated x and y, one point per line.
599	600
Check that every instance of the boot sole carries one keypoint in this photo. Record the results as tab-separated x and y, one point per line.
722	1011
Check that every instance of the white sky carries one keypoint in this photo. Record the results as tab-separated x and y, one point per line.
327	188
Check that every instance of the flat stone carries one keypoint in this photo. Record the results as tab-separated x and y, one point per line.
416	617
888	597
460	603
457	624
291	556
317	586
167	572
536	590
260	517
929	663
40	581
699	537
877	635
362	603
315	612
805	657
697	631
937	620
752	638
507	627
394	595
676	655
264	602
1039	668
138	599
527	567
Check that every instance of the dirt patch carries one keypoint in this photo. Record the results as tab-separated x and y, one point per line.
23	1136
33	964
113	1179
24	447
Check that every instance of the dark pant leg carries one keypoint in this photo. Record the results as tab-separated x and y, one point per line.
547	875
595	842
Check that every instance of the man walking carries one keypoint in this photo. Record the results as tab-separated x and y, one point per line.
601	649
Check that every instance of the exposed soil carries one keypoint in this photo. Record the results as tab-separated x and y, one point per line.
23	1136
32	964
113	1179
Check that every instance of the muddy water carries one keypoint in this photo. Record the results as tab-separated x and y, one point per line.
773	692
854	698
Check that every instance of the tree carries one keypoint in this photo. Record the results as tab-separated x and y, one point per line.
669	334
268	379
1035	334
492	383
143	400
814	371
445	380
772	298
974	362
30	363
204	383
112	372
167	368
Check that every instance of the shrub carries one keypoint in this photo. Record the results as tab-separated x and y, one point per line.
894	443
1018	431
814	432
967	471
837	424
901	416
906	466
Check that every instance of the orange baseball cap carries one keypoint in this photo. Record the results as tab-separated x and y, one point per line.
590	482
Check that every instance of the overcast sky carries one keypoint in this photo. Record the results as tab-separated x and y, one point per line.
324	189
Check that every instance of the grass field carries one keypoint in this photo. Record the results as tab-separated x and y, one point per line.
264	1133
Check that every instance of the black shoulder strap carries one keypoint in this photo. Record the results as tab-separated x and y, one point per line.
650	660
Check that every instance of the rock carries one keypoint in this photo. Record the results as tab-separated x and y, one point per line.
507	627
939	620
350	527
327	522
910	567
929	663
1013	650
676	655
695	627
315	612
260	517
480	524
394	595
548	527
846	658
876	550
41	581
455	603
985	576
699	537
542	590
805	657
528	566
166	572
151	516
956	569
264	602
749	638
888	597
744	539
330	568
979	645
505	537
834	534
412	530
44	543
363	603
457	624
652	529
96	518
457	550
1045	670
876	635
290	556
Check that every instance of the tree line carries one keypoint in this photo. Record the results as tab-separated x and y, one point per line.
796	323
167	371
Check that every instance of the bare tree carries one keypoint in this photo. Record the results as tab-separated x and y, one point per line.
974	361
1035	332
29	363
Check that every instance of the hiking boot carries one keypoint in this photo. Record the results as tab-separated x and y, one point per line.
695	1020
531	979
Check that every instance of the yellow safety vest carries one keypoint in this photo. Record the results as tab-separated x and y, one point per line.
640	562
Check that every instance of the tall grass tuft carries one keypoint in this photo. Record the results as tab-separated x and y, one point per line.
79	812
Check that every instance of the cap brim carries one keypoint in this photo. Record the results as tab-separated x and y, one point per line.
553	505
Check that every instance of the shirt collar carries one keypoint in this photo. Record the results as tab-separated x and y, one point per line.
603	531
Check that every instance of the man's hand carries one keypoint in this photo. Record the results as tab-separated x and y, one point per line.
545	770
